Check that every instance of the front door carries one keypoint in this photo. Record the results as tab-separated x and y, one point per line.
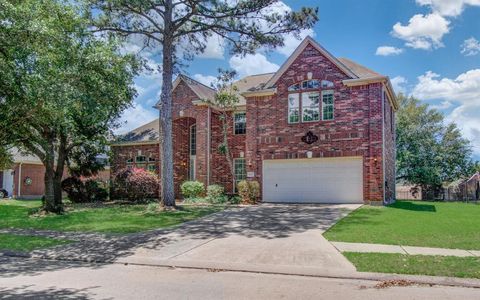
8	181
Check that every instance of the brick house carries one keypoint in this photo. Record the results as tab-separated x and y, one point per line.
319	130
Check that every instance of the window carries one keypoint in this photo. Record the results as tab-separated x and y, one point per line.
240	171
191	170
193	140
130	161
152	168
240	123
310	106
304	85
327	84
327	105
151	159
293	108
140	159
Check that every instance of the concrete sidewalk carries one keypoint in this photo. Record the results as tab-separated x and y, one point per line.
410	250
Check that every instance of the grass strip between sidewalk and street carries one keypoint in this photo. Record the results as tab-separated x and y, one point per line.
26	243
451	266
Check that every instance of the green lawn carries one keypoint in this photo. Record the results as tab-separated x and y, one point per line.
409	223
106	219
465	267
26	243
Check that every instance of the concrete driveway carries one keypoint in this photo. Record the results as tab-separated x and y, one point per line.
266	238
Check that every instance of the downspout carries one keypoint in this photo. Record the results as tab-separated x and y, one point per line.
19	180
209	115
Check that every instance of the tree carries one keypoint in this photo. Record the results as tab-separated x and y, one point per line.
61	88
165	25
429	152
225	101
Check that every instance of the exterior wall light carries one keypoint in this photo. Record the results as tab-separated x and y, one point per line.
309	154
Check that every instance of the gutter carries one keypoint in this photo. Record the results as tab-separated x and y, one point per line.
19	180
209	116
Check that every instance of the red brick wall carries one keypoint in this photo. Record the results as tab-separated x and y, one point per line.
36	173
221	172
355	131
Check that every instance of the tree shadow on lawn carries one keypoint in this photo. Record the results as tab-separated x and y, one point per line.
50	293
407	205
264	221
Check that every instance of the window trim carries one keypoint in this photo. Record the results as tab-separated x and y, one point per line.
190	135
234	122
333	104
137	161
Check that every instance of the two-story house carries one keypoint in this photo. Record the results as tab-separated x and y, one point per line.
319	130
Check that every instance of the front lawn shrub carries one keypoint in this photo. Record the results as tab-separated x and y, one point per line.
249	191
216	194
254	191
136	185
81	190
192	189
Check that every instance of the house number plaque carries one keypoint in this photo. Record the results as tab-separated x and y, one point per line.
309	138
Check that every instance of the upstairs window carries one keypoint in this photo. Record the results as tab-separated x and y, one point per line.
327	105
327	84
240	123
141	159
293	108
130	161
310	106
304	85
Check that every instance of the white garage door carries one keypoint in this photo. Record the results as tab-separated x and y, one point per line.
316	180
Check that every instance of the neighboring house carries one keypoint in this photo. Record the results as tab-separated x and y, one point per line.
463	189
408	192
25	178
320	129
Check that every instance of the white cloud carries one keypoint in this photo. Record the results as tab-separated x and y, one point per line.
134	117
450	8
442	105
398	84
205	79
423	31
252	64
215	47
470	47
388	50
464	91
291	42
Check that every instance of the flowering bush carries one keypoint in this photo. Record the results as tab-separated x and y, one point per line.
192	189
135	185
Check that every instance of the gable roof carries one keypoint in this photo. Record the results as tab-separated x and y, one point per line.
201	90
251	83
143	134
359	70
308	41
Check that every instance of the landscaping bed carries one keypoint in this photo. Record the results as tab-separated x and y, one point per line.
453	225
104	218
464	267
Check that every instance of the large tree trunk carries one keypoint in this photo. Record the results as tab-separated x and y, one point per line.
167	195
53	178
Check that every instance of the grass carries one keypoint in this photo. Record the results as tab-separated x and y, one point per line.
26	243
106	219
464	267
426	224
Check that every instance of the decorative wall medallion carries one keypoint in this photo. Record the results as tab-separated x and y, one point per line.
309	138
28	181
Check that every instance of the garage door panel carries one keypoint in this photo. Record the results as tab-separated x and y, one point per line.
321	180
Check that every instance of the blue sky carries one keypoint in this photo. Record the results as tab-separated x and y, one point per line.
429	48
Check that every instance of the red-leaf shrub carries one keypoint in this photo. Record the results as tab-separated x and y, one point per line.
135	185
